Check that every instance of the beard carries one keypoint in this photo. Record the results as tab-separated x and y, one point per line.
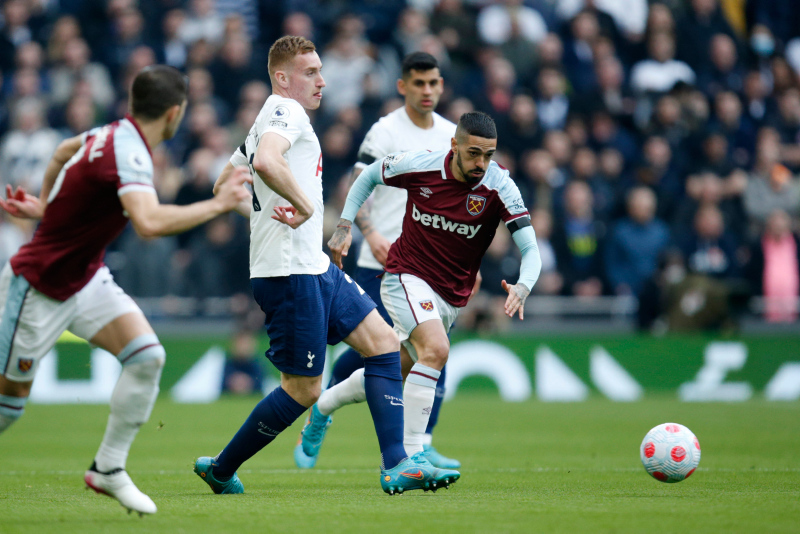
469	178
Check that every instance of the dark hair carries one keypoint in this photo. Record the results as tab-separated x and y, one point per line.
420	61
476	123
156	89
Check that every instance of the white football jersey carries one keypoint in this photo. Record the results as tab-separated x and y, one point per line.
277	249
396	133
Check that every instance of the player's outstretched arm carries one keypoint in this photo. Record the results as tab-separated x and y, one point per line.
378	244
339	243
529	270
243	208
272	167
151	219
22	204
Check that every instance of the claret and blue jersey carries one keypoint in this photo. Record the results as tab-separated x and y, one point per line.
448	224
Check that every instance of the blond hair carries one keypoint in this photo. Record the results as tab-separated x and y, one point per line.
285	49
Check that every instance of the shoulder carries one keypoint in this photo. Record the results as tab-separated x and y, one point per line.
408	162
280	111
499	179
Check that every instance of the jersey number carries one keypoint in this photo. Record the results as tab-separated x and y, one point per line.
350	281
319	165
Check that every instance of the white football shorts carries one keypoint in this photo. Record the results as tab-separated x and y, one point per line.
410	301
32	322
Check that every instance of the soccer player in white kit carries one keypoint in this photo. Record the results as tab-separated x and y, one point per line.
309	303
456	199
415	126
94	184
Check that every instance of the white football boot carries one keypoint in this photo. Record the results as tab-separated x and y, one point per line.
118	484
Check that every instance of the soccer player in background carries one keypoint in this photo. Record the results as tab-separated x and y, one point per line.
93	185
456	199
308	302
415	126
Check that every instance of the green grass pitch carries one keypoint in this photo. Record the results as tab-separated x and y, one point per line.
528	467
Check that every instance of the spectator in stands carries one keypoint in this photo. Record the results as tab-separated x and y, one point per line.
550	280
233	69
497	91
709	249
172	50
243	374
660	71
27	148
578	243
76	65
499	22
724	72
552	102
202	23
348	62
520	130
770	186
219	259
14	31
696	29
757	103
635	243
64	29
201	91
455	26
774	268
737	128
578	53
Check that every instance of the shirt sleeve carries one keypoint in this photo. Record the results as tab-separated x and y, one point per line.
361	189
287	120
531	259
239	156
513	206
134	166
373	148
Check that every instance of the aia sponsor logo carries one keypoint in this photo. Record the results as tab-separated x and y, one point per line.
427	305
475	204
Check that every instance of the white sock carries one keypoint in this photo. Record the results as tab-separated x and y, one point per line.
348	391
131	404
418	396
11	409
427	440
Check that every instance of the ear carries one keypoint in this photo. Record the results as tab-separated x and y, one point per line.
173	112
281	78
453	145
401	86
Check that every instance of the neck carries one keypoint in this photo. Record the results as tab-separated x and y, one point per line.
420	120
152	131
455	171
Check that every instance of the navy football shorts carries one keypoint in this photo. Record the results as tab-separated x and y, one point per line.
307	312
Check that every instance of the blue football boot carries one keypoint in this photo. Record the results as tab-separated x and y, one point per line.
204	467
301	459
415	473
314	431
442	477
439	460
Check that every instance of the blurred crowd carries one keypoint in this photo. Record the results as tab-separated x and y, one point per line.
655	142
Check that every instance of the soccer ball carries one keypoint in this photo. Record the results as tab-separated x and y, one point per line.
670	452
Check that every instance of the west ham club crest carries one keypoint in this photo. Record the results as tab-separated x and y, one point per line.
475	204
427	305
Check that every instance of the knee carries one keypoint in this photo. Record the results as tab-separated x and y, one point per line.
144	354
434	354
305	392
385	340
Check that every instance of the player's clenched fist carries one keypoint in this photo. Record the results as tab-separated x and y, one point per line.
232	191
340	241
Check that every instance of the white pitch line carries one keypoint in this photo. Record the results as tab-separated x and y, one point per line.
375	471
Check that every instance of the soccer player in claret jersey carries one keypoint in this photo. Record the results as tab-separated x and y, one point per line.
415	126
94	184
308	302
456	199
